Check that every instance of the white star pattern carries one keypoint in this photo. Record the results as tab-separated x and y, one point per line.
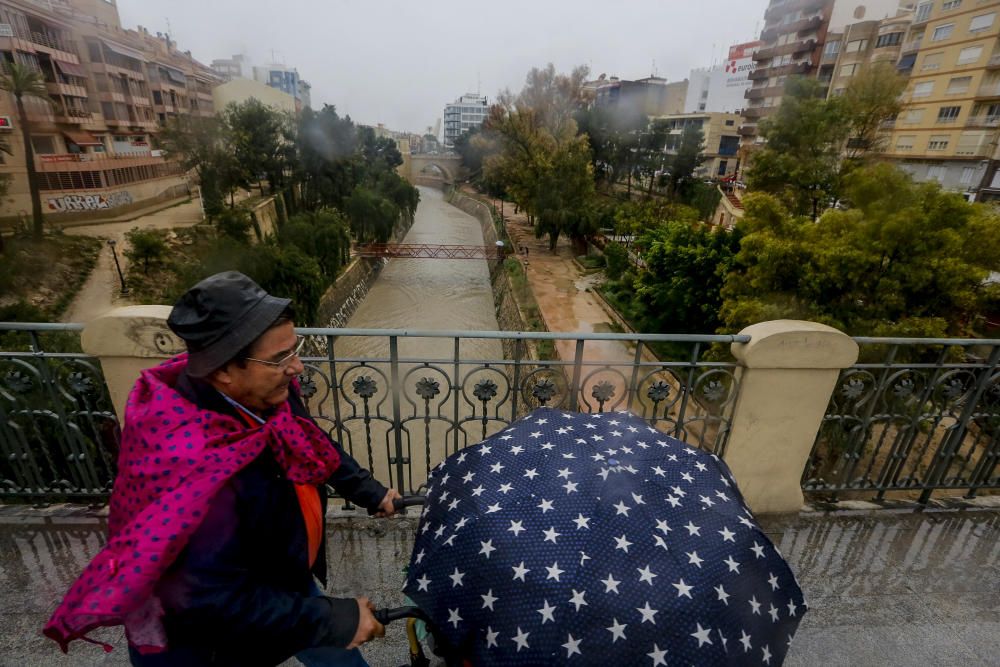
702	635
648	613
572	646
628	488
617	630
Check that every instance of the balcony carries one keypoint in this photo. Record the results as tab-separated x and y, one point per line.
993	62
983	121
756	113
66	89
78	161
989	90
792	48
73	115
50	41
761	93
807	7
911	46
781	70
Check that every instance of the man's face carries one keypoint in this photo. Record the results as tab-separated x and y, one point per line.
261	386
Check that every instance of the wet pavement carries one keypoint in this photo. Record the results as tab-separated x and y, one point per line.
884	587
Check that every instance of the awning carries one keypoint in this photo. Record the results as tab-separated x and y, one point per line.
174	75
82	138
124	50
71	69
906	62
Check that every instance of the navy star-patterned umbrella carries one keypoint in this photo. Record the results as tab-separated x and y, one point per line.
594	539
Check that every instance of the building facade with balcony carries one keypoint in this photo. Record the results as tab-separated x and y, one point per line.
110	90
948	128
721	140
858	45
651	96
792	44
465	113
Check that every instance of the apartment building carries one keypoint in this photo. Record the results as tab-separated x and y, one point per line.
948	128
858	45
721	140
792	44
111	89
460	116
651	96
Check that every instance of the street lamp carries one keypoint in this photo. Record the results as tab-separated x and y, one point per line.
114	253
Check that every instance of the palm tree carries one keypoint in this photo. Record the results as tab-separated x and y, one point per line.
20	81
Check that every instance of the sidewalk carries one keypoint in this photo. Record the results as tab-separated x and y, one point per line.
883	587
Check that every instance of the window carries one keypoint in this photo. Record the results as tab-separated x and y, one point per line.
937	142
948	114
958	85
730	123
982	22
923	89
942	32
905	142
848	70
856	45
950	4
969	55
43	144
967	173
995	183
891	39
935	173
913	116
931	61
974	143
923	12
832	48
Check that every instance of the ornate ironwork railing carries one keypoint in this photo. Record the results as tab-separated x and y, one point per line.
58	430
399	401
912	417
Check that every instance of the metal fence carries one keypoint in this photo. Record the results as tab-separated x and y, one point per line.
398	401
912	417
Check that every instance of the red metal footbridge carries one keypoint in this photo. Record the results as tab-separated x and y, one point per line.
429	251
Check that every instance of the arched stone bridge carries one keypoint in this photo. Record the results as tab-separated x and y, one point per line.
434	170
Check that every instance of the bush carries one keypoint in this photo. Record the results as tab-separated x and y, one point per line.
146	246
616	258
234	223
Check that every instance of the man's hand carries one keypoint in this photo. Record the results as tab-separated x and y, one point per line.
368	627
386	508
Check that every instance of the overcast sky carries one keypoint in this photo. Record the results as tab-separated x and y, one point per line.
398	62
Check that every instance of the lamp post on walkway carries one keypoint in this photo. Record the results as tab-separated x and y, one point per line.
114	253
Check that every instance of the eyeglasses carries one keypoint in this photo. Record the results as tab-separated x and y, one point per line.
284	362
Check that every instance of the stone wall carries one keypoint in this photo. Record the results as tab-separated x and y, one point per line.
509	316
265	217
343	297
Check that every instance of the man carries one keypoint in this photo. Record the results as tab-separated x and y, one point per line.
216	526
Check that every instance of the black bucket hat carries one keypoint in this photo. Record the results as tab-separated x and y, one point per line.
220	316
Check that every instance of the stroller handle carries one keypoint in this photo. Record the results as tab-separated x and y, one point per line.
386	616
401	503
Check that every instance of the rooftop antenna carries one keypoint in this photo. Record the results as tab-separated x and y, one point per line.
653	72
170	29
478	83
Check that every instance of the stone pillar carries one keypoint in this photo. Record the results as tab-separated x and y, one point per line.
126	341
790	368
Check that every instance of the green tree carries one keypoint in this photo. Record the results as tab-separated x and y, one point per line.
906	259
686	160
324	235
24	81
685	266
256	134
800	163
542	163
871	97
203	145
234	223
146	246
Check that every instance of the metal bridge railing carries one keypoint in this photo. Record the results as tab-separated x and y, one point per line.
912	417
399	401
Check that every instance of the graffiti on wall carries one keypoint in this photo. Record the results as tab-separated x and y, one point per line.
89	202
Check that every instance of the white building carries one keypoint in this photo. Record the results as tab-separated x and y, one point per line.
237	67
462	115
722	88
